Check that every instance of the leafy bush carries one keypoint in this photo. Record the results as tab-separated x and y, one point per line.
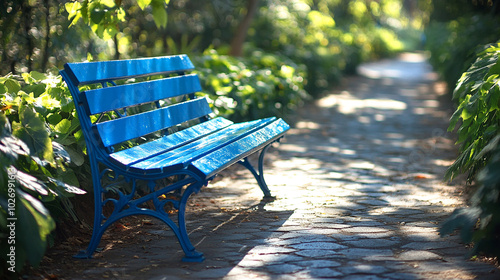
478	93
453	44
43	116
262	85
480	223
34	180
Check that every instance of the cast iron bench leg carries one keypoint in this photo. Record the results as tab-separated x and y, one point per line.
259	176
126	206
191	254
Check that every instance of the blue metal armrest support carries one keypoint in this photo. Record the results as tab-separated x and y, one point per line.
186	147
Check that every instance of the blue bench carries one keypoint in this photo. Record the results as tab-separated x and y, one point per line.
152	143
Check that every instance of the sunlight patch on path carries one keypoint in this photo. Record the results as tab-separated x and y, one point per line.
348	104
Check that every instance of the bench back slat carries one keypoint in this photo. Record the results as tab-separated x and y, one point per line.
130	127
84	73
116	97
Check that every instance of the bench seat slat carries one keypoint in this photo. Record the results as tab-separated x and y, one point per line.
147	150
212	163
181	157
84	73
126	128
111	98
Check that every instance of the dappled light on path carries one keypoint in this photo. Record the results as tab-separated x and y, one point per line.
362	171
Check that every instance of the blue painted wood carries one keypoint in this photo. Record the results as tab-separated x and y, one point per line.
219	159
111	98
167	143
83	73
193	155
182	156
127	128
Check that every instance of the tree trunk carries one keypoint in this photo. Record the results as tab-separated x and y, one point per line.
117	53
27	31
46	53
241	32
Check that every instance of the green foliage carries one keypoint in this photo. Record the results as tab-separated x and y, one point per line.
262	85
33	171
453	44
456	37
480	223
104	16
478	95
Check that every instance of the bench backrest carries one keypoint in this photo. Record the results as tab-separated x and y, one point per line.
136	106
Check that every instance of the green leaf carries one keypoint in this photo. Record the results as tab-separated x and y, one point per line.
12	85
66	189
159	13
77	158
494	98
109	32
54	118
74	11
63	126
143	3
34	224
38	76
454	119
37	89
3	89
120	14
60	152
72	8
489	147
27	78
31	183
96	16
12	147
109	3
32	131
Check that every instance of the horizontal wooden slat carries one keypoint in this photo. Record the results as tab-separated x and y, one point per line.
83	73
127	128
148	150
181	157
111	98
212	163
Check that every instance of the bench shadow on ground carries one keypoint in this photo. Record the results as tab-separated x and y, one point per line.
144	248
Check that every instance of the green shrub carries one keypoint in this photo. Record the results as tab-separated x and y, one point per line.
453	44
478	93
35	182
480	223
262	85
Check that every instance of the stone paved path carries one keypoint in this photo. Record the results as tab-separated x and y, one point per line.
359	193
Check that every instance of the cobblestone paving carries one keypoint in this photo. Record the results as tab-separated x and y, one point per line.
359	193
